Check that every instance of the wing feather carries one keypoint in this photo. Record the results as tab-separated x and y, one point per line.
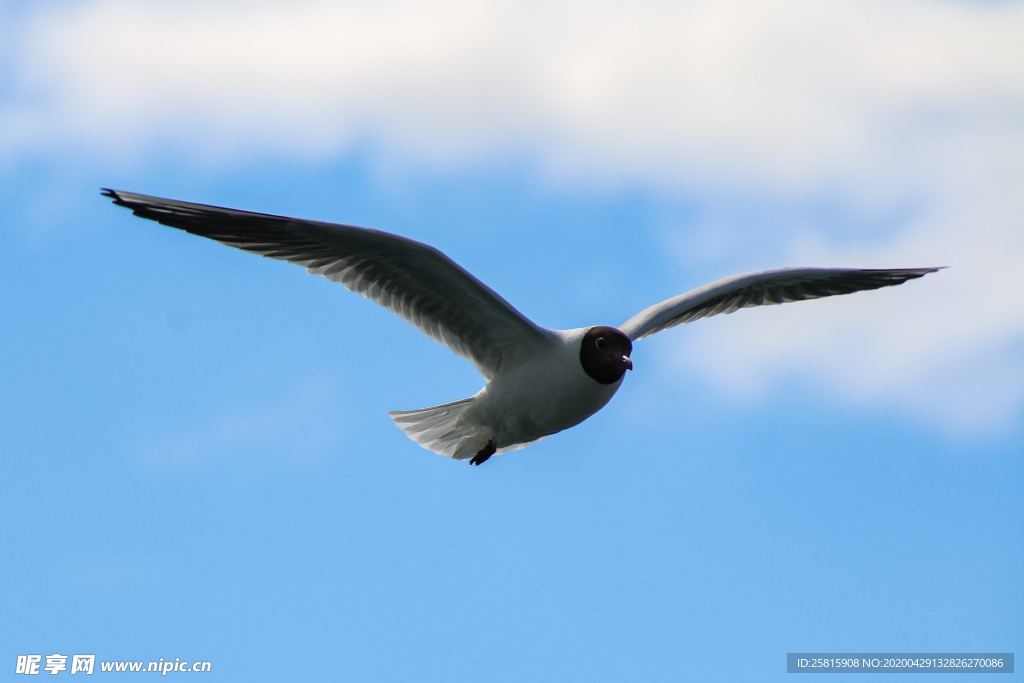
756	289
413	280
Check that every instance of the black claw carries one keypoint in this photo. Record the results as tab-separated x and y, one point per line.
484	453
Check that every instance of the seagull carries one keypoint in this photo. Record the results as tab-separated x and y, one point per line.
539	381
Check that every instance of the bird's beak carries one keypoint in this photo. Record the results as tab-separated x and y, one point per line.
627	362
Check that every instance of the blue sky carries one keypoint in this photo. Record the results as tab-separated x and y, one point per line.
198	460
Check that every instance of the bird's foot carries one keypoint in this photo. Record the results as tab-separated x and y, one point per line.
484	453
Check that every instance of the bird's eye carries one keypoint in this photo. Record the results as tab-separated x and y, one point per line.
599	343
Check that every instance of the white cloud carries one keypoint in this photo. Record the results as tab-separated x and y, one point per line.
874	103
949	348
778	94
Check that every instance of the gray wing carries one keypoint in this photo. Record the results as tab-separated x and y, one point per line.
412	279
759	289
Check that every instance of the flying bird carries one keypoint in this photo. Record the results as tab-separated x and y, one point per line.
539	381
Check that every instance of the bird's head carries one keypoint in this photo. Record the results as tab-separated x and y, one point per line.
604	354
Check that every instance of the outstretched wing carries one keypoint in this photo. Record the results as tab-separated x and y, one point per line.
759	289
412	279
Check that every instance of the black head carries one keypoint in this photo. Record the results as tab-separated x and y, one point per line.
604	354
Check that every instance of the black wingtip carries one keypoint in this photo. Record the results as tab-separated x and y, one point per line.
931	269
113	194
914	273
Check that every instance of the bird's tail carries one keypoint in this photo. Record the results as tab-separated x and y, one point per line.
444	429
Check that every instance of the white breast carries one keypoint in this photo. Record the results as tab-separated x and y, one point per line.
542	396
